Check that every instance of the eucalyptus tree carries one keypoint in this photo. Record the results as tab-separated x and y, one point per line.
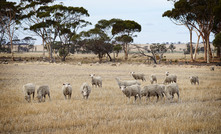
31	21
156	49
180	15
9	14
203	16
97	41
62	23
124	31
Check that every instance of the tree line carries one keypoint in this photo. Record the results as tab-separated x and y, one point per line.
60	27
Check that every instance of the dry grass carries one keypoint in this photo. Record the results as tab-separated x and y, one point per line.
107	110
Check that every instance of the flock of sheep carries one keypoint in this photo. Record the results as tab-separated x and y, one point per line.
128	87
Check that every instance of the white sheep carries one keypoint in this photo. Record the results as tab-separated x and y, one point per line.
126	83
96	80
129	91
138	76
85	90
42	92
194	80
29	89
67	90
153	78
172	76
212	68
168	80
153	90
172	89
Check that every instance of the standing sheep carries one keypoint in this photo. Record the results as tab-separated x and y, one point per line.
194	80
126	83
129	91
153	90
167	80
172	89
29	89
67	90
153	78
96	80
42	92
172	76
85	90
138	76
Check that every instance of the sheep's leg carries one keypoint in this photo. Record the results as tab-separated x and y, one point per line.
157	98
178	95
33	95
70	96
135	98
128	100
49	96
44	97
139	98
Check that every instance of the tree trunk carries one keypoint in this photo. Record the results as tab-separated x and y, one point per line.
205	50
43	43
197	44
191	44
12	49
207	44
126	51
109	56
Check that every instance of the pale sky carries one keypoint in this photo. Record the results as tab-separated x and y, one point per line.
148	13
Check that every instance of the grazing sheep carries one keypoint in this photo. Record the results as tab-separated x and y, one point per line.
29	89
153	90
67	90
96	80
212	68
129	91
42	92
194	80
85	90
126	83
153	78
138	76
173	77
171	89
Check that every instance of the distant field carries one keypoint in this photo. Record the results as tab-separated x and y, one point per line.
107	110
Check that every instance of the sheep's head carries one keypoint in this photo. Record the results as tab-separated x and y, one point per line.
39	97
66	85
28	98
85	91
132	72
92	75
142	93
122	88
167	73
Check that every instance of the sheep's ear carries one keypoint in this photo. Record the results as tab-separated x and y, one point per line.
68	83
63	84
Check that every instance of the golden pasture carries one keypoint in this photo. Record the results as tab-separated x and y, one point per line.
107	109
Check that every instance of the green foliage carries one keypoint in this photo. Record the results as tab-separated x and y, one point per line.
126	26
217	40
117	48
158	48
172	47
